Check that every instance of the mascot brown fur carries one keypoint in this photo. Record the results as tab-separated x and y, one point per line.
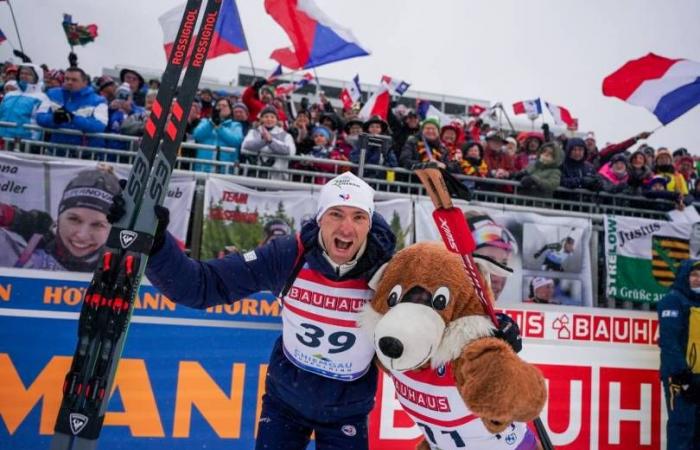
424	317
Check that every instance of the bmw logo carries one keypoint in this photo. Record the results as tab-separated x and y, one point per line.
511	438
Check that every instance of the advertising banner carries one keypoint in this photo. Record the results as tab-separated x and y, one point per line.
194	379
642	255
549	255
237	218
53	213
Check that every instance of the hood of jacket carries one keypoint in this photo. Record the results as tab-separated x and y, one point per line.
39	85
558	157
381	244
682	283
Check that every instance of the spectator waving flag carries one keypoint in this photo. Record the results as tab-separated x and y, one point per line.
377	104
78	34
666	87
426	109
352	94
316	39
529	107
288	88
476	110
561	115
397	87
228	33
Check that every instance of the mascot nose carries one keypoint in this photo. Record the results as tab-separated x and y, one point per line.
419	295
391	347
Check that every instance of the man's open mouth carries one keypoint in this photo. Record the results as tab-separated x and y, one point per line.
342	244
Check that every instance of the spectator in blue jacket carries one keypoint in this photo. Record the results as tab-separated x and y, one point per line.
220	130
679	339
576	171
321	376
22	105
75	106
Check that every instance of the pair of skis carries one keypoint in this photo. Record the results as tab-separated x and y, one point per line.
458	239
109	300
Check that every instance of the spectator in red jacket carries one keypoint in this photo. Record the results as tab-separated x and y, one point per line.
605	155
500	164
531	142
257	96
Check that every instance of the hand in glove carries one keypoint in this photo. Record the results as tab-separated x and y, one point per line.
592	184
260	82
509	331
61	115
528	182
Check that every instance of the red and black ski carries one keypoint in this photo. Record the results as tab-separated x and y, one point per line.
108	302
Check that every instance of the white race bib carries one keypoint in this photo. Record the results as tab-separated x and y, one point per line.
319	326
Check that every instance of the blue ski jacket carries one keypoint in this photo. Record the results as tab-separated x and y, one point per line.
90	115
678	310
201	284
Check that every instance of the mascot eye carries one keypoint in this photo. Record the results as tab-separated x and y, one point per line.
394	296
441	298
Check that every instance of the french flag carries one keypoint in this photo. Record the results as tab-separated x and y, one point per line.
316	39
666	87
228	33
561	115
352	94
426	109
529	107
377	104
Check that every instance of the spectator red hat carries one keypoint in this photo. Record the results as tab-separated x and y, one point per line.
375	119
688	159
449	127
9	68
57	74
124	71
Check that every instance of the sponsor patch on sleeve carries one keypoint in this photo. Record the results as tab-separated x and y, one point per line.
669	313
250	256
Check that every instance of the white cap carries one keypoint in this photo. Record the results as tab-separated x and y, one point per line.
538	282
346	190
589	135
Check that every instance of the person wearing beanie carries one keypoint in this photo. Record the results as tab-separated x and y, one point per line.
314	383
259	95
219	130
541	291
686	167
268	140
402	128
471	161
639	173
30	239
425	146
679	340
323	148
614	174
663	165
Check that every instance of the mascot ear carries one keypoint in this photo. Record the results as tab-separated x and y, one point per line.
376	278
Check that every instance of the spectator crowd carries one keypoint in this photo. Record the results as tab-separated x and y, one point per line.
256	126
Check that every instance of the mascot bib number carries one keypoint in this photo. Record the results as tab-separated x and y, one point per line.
433	401
320	332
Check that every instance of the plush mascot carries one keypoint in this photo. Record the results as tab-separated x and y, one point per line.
462	386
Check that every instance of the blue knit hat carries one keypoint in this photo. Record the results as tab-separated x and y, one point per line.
322	130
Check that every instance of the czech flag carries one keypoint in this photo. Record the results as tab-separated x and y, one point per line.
561	115
316	39
398	87
228	33
529	107
666	87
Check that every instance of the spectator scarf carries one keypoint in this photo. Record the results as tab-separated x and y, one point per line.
474	168
425	150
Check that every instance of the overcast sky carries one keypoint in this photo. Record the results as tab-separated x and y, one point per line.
500	50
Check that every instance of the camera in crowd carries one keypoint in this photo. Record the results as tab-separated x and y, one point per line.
375	142
123	92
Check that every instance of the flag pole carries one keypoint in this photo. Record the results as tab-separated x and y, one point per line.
245	39
19	38
318	85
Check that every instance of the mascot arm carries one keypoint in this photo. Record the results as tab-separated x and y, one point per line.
497	385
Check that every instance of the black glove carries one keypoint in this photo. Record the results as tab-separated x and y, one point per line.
592	184
680	384
260	82
23	56
31	222
215	117
528	182
117	211
519	175
61	115
304	104
509	331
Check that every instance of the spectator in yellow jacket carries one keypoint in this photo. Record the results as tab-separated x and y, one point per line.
664	166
